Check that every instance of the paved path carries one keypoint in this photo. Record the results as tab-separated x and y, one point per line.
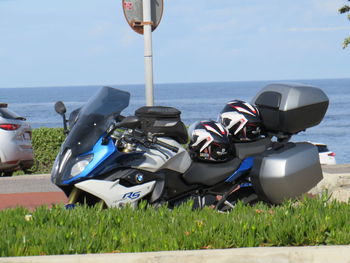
320	254
29	191
27	184
338	168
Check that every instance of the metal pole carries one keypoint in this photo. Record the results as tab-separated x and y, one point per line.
147	32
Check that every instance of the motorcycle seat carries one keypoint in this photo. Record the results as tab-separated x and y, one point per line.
210	173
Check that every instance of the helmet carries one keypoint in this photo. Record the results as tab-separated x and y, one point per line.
209	141
242	120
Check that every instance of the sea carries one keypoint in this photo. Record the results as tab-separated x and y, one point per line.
196	101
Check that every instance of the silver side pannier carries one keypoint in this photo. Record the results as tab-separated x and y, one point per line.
287	172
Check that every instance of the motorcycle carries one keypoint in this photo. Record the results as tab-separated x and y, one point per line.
120	160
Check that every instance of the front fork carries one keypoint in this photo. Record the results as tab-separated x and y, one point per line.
73	196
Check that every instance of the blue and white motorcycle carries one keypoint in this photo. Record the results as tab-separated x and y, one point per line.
119	161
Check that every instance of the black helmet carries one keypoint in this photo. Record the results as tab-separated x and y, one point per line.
242	120
209	141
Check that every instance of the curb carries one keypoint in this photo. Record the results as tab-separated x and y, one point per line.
319	254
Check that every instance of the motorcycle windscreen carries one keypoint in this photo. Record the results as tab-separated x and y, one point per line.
94	118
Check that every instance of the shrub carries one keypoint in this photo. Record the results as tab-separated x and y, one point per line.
46	144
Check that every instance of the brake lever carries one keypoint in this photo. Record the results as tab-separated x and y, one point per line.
165	155
151	145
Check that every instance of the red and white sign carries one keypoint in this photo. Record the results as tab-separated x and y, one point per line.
133	12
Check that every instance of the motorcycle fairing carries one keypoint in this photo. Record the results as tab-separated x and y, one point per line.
245	166
113	193
131	177
100	153
106	158
92	121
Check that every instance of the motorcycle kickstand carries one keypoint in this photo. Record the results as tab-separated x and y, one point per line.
223	200
229	204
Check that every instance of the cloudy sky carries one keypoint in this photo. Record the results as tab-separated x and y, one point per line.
88	42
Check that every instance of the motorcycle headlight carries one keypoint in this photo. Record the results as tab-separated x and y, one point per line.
80	164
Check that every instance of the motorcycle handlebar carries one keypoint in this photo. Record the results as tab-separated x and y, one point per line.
168	146
140	137
119	118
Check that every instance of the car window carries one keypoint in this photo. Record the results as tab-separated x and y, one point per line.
7	114
322	148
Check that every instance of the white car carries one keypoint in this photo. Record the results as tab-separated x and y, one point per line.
16	151
326	156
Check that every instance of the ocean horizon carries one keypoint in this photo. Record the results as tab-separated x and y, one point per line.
196	101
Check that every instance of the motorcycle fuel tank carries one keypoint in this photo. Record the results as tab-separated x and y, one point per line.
156	160
287	172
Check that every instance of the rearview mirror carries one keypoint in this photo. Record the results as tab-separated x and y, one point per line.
130	122
60	108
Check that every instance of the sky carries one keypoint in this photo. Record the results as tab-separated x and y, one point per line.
88	42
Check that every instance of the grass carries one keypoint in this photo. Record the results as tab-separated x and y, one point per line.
93	230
